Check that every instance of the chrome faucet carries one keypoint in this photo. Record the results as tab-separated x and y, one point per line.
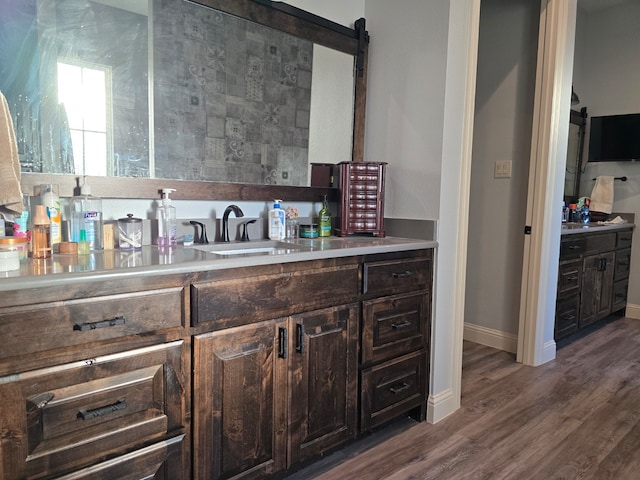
225	220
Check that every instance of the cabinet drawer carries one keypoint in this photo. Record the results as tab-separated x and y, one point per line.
567	311
392	388
74	415
572	247
394	325
569	276
623	261
600	243
160	461
396	276
624	239
36	328
619	295
241	301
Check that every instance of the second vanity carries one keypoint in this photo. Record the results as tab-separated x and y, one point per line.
210	364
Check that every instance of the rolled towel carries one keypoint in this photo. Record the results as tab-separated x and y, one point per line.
10	193
602	195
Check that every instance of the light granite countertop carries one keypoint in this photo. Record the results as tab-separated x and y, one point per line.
151	261
578	228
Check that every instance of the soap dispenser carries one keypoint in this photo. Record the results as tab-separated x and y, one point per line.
167	224
86	214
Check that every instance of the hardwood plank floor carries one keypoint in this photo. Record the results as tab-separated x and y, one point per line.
577	417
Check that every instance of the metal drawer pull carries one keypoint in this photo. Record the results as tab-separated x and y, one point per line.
569	317
299	338
112	322
400	389
283	335
405	274
573	279
99	412
405	324
574	247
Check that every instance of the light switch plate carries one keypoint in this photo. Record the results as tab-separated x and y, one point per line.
502	169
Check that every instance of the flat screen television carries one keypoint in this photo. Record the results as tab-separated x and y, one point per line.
615	138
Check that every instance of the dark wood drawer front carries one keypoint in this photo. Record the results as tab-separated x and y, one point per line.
393	326
77	414
392	388
241	301
160	461
569	276
619	299
600	243
572	247
624	239
567	311
396	276
623	262
77	322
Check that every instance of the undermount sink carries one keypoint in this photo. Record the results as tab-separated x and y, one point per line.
267	247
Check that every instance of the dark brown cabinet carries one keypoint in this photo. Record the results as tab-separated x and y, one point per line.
592	278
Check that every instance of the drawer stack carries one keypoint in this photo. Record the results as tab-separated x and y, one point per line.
361	208
395	339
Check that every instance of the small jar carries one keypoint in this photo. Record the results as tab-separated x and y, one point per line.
130	233
309	230
291	228
18	244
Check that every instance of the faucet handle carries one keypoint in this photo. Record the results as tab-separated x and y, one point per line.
245	233
203	232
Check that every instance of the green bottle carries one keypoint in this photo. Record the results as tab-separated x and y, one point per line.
324	222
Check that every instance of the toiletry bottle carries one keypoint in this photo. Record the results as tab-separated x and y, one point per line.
83	244
41	234
50	199
324	219
167	224
86	214
276	221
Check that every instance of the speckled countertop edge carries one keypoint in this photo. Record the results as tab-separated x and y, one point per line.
151	261
594	228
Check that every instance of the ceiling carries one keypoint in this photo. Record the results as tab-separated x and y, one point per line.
595	5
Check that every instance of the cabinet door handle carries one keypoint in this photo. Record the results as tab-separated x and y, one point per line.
399	389
572	278
299	338
112	322
569	317
603	264
574	247
283	336
101	411
398	326
405	274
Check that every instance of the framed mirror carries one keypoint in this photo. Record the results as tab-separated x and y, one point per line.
216	98
575	149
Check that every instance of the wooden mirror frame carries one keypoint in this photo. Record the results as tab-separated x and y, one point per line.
277	15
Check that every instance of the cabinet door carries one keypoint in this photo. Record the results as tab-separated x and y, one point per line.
597	284
239	401
323	380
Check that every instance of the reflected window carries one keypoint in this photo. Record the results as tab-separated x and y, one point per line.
84	91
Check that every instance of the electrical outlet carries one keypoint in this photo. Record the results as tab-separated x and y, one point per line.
502	169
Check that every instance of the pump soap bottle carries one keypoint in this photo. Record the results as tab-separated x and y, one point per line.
86	214
324	219
167	224
276	221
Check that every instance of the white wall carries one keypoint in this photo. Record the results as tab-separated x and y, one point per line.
405	101
608	83
503	121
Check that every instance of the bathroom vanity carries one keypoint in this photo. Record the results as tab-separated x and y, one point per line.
593	275
210	364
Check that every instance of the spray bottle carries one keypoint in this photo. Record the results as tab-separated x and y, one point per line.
167	224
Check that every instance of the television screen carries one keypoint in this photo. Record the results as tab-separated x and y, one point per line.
615	138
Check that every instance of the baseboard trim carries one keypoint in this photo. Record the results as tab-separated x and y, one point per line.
491	338
441	405
548	351
632	311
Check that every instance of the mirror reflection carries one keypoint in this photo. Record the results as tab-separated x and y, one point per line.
170	89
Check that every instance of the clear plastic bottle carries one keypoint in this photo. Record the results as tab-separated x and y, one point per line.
50	199
276	221
41	234
86	214
167	223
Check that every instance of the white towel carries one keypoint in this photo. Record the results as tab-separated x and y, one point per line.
602	195
10	193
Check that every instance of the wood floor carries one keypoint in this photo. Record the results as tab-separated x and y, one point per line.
577	417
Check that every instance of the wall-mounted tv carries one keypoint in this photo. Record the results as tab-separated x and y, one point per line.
615	138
